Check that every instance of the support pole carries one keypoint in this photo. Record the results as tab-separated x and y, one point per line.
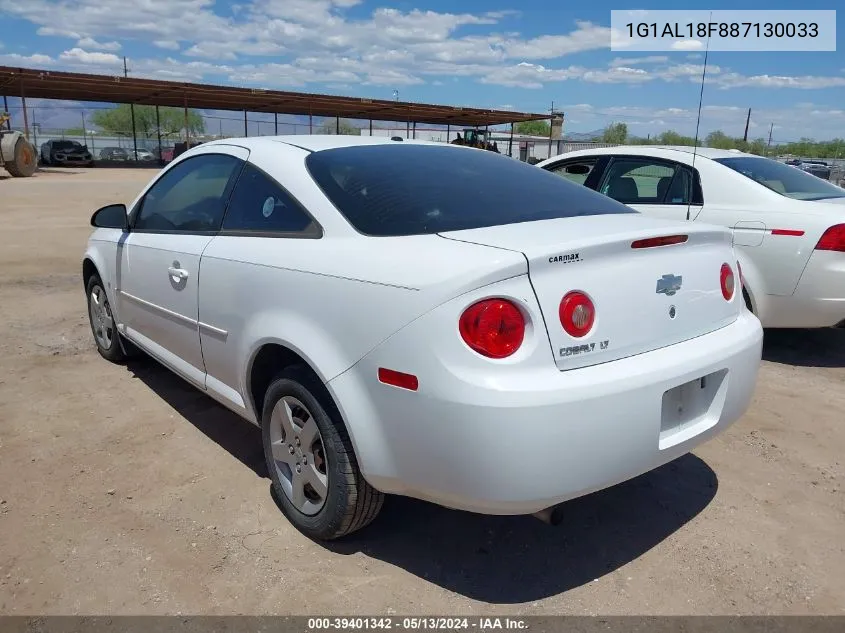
276	123
407	129
6	110
371	127
132	114
187	129
448	130
158	133
415	130
25	115
246	132
510	142
337	125
134	133
551	121
310	123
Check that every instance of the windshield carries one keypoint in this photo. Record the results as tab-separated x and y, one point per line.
405	189
783	179
66	145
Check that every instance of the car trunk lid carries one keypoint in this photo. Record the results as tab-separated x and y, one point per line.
644	298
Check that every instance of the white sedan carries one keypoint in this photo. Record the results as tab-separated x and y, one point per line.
788	226
424	320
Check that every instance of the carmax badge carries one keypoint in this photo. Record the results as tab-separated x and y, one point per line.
669	285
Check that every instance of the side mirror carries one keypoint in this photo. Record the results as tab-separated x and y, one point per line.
111	217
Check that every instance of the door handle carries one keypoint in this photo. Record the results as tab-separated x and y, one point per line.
178	273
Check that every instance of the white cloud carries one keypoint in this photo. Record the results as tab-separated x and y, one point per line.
170	45
687	45
86	57
618	74
635	61
586	37
805	82
37	59
88	42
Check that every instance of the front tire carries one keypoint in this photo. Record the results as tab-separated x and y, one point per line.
102	322
311	460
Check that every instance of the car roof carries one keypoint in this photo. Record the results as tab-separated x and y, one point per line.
661	151
317	142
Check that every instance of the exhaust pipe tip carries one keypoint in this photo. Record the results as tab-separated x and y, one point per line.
550	516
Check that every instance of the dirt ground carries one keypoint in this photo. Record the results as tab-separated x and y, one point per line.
125	491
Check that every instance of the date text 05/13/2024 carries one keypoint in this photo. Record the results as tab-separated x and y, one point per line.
481	624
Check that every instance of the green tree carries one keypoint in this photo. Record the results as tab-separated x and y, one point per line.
719	140
757	146
74	131
671	137
615	133
118	121
532	128
330	126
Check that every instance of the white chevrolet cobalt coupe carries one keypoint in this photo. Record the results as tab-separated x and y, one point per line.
788	226
425	320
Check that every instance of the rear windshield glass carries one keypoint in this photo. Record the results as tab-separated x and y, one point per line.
783	179
388	190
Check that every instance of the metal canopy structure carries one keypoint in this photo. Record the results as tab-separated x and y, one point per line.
48	84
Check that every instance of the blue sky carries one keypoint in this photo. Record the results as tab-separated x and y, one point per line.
500	53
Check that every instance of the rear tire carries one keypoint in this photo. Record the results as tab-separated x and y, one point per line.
24	159
306	441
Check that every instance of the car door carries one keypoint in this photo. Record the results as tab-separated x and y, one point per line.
263	223
653	186
158	273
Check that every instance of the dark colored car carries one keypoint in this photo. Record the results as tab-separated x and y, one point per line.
114	153
182	147
64	152
817	168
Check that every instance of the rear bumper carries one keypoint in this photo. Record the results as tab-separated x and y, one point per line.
819	298
516	446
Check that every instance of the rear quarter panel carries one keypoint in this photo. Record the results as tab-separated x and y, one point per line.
330	299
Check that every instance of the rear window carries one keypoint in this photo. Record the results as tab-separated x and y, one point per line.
404	189
783	179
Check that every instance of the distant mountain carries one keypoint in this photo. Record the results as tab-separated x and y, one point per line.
582	137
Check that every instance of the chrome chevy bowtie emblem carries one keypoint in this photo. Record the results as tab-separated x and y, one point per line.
669	285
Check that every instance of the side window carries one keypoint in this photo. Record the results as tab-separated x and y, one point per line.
646	181
189	197
260	204
575	171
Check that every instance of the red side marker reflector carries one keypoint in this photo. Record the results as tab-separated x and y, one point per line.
666	240
398	379
791	232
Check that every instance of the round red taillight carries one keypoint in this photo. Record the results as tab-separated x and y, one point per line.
577	313
494	327
726	280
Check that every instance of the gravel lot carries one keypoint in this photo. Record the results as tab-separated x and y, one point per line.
125	491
